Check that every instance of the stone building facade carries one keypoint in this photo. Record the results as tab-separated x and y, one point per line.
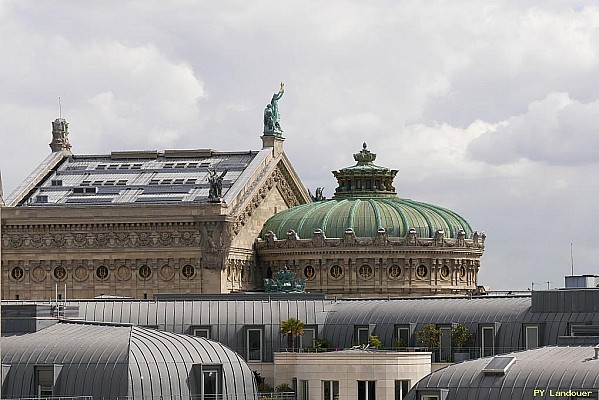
367	242
139	223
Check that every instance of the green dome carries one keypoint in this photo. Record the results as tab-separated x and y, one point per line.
366	216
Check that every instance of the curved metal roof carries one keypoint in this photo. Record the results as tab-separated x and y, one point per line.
161	363
366	216
385	315
90	356
546	368
138	362
227	320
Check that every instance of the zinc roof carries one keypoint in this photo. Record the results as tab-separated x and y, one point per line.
167	177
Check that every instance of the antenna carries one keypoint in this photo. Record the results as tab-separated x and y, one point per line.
572	257
59	108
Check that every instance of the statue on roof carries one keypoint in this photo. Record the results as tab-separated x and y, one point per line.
272	118
216	185
285	281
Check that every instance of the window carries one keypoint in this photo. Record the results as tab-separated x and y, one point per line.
211	383
394	271
402	338
254	344
365	271
445	343
429	397
330	390
361	335
102	272
44	381
303	390
201	331
531	336
401	389
487	341
336	271
366	390
206	381
308	339
309	272
145	272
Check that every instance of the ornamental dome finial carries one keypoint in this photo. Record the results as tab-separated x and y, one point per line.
364	156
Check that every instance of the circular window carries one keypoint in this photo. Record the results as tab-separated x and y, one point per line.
309	272
336	271
17	273
394	271
421	271
445	271
60	273
145	272
365	271
188	271
102	272
462	271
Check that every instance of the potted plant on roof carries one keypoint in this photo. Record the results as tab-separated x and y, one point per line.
429	338
461	340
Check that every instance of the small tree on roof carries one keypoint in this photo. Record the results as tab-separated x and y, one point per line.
429	336
293	327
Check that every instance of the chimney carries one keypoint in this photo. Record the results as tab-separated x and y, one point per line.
60	135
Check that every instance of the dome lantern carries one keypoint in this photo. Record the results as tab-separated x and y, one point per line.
365	179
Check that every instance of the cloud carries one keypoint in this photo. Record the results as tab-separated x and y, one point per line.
556	130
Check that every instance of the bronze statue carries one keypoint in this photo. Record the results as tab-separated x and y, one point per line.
272	118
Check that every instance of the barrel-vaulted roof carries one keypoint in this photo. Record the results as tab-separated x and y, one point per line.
533	374
137	362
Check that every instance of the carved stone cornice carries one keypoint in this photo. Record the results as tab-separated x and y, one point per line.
380	241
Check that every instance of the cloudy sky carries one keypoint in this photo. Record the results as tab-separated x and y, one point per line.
490	108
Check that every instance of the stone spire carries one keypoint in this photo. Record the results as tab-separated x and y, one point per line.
60	135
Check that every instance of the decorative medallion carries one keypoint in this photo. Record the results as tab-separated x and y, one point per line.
80	273
462	272
309	272
444	271
394	271
421	271
167	272
123	272
336	272
102	272
17	273
38	274
145	272
365	271
59	273
188	271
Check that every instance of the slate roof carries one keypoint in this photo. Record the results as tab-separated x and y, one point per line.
134	177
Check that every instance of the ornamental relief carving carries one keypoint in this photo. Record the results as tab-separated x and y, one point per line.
81	240
280	179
